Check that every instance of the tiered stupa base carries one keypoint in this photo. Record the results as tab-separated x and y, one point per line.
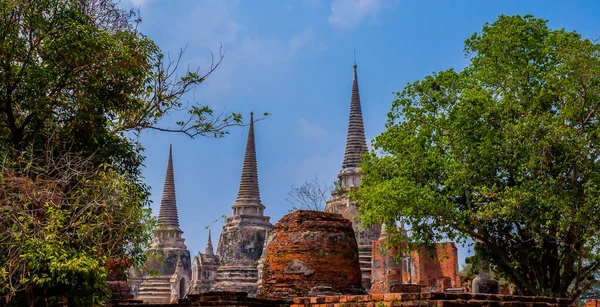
155	290
236	279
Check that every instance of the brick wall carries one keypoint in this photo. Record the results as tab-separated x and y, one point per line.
434	271
439	270
230	299
430	299
592	303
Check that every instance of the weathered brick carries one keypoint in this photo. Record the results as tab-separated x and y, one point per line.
392	297
311	251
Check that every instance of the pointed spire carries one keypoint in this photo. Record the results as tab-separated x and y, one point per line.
383	235
249	192
167	215
209	248
356	144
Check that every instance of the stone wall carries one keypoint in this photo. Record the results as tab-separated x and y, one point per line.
221	299
230	299
439	270
430	299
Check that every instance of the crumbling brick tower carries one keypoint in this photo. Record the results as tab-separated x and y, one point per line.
242	239
349	178
173	263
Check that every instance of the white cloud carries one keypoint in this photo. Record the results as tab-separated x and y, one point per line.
214	22
300	40
347	14
136	3
268	51
309	129
211	23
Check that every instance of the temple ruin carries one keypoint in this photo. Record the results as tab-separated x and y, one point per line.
349	178
307	253
243	236
204	269
395	271
166	275
311	253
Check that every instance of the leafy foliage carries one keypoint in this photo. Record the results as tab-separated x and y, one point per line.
61	224
78	82
505	151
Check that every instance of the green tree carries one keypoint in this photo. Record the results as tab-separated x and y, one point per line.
505	151
78	82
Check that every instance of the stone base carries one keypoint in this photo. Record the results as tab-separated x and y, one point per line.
155	290
488	286
119	290
236	279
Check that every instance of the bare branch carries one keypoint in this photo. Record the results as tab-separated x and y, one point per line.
311	195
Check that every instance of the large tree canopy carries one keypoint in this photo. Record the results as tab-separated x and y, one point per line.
505	152
77	83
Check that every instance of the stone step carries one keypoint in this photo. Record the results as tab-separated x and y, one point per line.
155	289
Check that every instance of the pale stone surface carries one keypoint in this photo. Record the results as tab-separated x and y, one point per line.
243	236
170	262
204	269
349	178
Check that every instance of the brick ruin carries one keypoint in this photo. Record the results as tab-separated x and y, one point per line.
237	299
308	253
592	303
416	271
311	253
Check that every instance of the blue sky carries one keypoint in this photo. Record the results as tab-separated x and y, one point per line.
294	60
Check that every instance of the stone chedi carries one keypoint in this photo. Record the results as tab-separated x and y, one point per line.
204	269
349	177
172	258
242	239
311	253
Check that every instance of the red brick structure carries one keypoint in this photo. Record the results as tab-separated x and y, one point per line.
231	299
311	252
439	270
432	299
592	303
432	271
385	270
